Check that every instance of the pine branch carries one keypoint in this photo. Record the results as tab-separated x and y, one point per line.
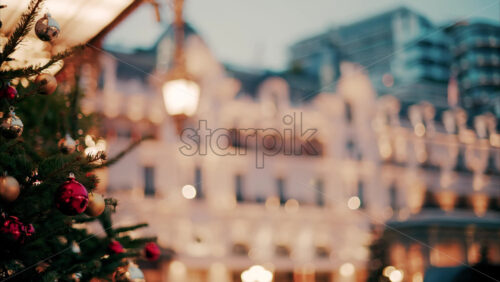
36	69
129	228
25	24
124	152
136	243
83	219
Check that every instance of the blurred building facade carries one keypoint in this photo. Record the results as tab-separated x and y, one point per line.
425	179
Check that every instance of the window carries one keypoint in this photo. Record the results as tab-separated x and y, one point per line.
149	181
198	183
239	188
322	252
361	194
240	249
280	185
282	251
320	193
348	112
393	197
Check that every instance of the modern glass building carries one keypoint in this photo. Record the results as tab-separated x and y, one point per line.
409	57
476	64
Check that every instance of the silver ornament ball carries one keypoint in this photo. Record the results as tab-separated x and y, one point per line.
46	28
12	126
135	273
67	145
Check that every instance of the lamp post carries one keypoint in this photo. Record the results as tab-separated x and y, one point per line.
180	92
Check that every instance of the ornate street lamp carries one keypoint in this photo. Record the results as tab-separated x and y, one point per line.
180	92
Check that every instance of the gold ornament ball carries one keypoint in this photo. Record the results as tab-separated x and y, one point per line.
47	83
96	205
9	188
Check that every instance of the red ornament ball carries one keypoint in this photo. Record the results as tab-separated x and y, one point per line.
72	198
15	230
12	228
152	251
8	92
115	247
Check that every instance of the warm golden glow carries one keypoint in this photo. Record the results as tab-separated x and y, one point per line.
480	203
415	197
396	276
94	147
291	206
347	269
273	203
415	259
189	192
446	199
419	129
384	147
474	253
354	203
388	270
418	277
181	97
447	255
257	273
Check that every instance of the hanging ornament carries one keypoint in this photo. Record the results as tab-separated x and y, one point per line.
9	188
96	205
13	229
115	247
128	273
9	92
151	251
47	83
46	28
71	197
75	248
12	126
134	273
76	277
67	145
34	179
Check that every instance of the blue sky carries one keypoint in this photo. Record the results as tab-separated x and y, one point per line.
256	33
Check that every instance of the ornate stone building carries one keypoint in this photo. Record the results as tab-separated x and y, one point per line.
304	208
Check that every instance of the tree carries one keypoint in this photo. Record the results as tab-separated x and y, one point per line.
47	180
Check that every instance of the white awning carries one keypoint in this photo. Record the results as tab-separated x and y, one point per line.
80	21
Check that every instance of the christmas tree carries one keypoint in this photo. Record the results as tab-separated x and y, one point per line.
47	177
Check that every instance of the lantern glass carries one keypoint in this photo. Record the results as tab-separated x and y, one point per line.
181	97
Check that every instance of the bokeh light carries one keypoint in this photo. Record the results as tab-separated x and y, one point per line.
189	192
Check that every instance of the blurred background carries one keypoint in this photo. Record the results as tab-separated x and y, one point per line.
401	181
